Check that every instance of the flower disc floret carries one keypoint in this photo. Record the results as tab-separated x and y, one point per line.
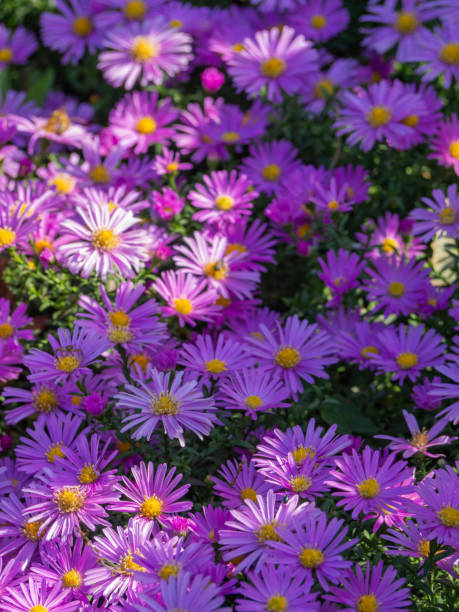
367	603
71	579
69	499
311	557
406	22
273	68
407	360
151	507
165	404
378	116
369	488
288	357
449	516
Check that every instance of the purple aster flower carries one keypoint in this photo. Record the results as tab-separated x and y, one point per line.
361	343
320	20
378	589
226	198
37	595
15	47
275	60
296	351
442	218
111	198
154	493
240	481
11	324
133	326
247	533
422	394
331	198
448	390
323	85
290	477
16	224
138	121
112	13
166	203
426	122
370	483
253	242
72	31
252	390
207	524
410	541
276	589
445	144
72	354
439	50
386	237
103	242
148	52
95	171
340	273
408	350
187	298
169	163
314	546
376	114
191	137
177	403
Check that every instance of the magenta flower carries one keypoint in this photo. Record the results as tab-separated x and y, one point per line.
212	79
11	323
169	163
422	395
442	218
207	524
389	236
166	203
178	404
253	242
445	143
16	224
37	595
378	589
15	47
340	273
240	481
320	20
275	60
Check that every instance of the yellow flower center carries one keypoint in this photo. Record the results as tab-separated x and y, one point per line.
407	360
105	240
218	270
71	579
38	608
119	334
303	230
7	237
41	245
215	366
6	55
406	22
300	453
30	530
69	499
449	516
164	404
267	532
230	137
127	564
238	47
323	87
99	174
333	205
368	488
82	26
447	216
68	363
318	21
141	360
368	603
224	202
253	401
45	400
249	493
277	603
123	446
143	49
454	149
151	507
223	302
183	305
63	183
378	116
450	53
300	483
311	557
389	245
273	68
396	289
424	548
172	569
146	125
288	357
134	10
172	167
55	450
271	172
119	317
367	351
88	474
410	121
6	330
420	438
235	246
58	122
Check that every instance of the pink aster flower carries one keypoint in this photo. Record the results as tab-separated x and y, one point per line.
377	114
111	197
439	52
138	121
370	483
388	236
422	394
15	47
315	546
178	404
153	494
95	171
239	482
340	273
166	203
147	52
72	31
101	240
169	163
36	594
226	198
275	59
187	298
193	121
254	242
445	144
378	589
212	79
442	216
296	351
408	350
320	20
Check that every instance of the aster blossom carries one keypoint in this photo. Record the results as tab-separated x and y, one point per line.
15	47
442	216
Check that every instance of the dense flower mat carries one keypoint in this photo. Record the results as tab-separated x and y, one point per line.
228	236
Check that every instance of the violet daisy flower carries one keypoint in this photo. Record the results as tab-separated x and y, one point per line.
439	50
110	197
361	344
95	171
177	403
138	121
247	533
422	395
166	203
72	31
37	595
318	89
16	225
103	242
320	20
445	143
276	589
340	273
379	589
331	198
410	541
152	495
315	546
72	354
408	350
187	298
11	324
370	483
448	390
441	219
207	524
253	242
276	60
16	46
240	481
117	12
421	439
148	52
169	163
296	351
288	477
226	198
134	327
